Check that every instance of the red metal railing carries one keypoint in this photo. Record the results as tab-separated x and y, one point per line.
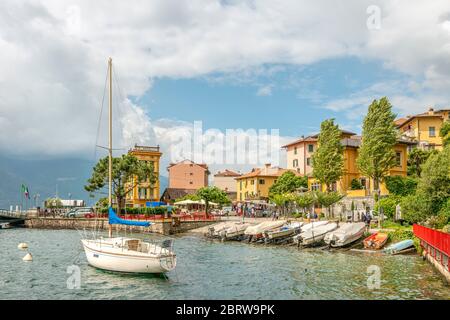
436	243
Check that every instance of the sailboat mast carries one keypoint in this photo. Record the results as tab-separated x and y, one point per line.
110	141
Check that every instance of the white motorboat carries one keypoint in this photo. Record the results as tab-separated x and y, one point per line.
315	235
215	230
284	231
126	254
258	230
345	234
234	231
313	224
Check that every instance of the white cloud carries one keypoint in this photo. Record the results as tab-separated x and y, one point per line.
264	91
54	55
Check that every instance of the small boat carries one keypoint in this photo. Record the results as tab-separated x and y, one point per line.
256	232
234	231
5	225
215	231
399	246
284	231
315	235
345	234
313	224
375	241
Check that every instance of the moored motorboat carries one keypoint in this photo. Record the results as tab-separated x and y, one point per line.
399	246
375	241
215	230
234	231
345	234
284	231
5	225
257	231
315	235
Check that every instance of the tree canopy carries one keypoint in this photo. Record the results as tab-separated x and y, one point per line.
212	194
127	172
379	135
328	160
288	182
445	133
416	158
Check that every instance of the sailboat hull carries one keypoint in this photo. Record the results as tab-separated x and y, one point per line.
119	260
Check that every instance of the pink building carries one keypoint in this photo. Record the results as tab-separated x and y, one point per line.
188	175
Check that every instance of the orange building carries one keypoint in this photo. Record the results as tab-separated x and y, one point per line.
188	175
145	191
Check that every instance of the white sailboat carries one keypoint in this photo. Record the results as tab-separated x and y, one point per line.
126	254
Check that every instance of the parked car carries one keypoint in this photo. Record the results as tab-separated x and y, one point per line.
81	213
228	211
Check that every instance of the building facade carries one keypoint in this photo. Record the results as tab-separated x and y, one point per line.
226	180
145	192
424	128
188	175
255	184
351	143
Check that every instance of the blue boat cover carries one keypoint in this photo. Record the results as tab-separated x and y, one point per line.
114	219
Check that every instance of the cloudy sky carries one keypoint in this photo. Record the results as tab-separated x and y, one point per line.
283	65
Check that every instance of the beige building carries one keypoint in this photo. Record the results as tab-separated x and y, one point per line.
225	180
188	175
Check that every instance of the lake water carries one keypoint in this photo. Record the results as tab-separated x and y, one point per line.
212	270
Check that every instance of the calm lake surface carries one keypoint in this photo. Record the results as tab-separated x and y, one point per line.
212	270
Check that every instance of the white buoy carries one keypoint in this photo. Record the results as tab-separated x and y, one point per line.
28	257
22	245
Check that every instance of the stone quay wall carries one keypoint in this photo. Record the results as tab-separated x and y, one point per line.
166	226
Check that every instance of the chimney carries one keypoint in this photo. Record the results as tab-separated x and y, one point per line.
267	165
431	111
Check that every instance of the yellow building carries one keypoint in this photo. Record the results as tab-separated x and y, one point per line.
145	192
351	147
255	184
424	128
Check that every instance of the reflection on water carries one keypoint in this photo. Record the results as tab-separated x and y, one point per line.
212	270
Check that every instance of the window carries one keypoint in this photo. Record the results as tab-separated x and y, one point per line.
398	159
432	131
261	181
308	161
363	182
252	182
191	174
310	148
240	187
295	163
190	182
295	150
142	193
316	186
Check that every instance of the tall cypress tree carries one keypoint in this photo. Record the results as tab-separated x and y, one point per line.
379	135
328	160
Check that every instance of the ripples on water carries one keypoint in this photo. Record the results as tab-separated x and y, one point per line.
212	270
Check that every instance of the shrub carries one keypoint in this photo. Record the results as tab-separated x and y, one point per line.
388	203
415	208
355	184
400	186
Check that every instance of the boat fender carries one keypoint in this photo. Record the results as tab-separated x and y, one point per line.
28	257
22	245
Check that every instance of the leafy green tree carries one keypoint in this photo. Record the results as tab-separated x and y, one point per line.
435	181
102	203
445	133
415	208
304	200
212	194
376	154
53	203
388	203
280	200
328	160
327	199
288	182
127	173
192	197
400	186
416	158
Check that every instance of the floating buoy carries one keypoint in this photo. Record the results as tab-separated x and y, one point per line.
22	245
28	257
